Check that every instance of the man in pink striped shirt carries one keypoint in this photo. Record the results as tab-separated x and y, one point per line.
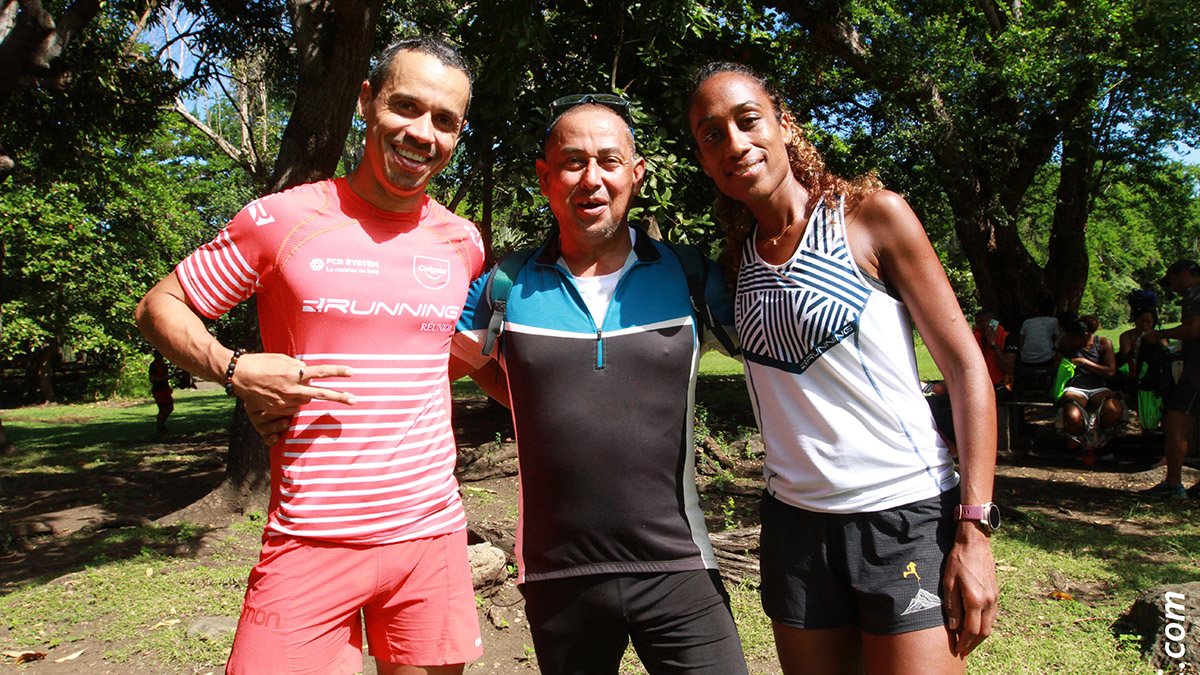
360	278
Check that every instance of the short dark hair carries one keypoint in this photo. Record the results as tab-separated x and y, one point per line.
599	106
436	47
1073	324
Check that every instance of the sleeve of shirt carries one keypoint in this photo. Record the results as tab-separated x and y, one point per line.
230	268
720	302
471	330
1191	301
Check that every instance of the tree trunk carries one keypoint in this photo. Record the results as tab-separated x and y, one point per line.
334	39
487	160
1067	265
31	39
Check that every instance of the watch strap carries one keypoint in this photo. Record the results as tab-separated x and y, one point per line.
966	512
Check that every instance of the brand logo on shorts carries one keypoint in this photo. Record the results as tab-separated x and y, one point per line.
317	264
911	571
432	273
923	600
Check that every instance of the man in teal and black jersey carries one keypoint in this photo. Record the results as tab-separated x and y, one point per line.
601	346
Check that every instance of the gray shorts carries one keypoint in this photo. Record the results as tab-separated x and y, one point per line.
1089	393
881	571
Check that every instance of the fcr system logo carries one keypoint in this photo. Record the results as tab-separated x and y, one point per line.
317	264
432	273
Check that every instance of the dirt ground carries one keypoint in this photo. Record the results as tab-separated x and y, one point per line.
40	514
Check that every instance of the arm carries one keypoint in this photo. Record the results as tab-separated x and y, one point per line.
490	377
1189	329
893	242
719	298
1107	367
271	383
1125	344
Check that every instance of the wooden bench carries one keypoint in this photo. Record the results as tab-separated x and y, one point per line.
1010	423
1031	391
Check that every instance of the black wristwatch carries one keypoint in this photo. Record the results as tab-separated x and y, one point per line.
987	515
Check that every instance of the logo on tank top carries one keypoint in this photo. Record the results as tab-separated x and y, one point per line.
432	273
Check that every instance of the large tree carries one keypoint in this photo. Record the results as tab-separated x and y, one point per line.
315	54
973	99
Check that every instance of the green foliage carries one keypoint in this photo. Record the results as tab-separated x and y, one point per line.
973	115
104	85
82	247
1144	219
528	53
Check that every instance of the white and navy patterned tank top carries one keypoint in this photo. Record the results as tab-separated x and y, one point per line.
831	371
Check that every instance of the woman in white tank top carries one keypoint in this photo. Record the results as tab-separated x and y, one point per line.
829	272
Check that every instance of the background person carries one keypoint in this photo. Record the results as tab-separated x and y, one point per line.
1038	344
992	339
1089	404
1183	404
354	279
1146	368
160	389
863	562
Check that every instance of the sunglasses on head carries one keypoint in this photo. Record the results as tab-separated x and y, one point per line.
564	103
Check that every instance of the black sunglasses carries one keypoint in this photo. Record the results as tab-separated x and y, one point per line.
564	103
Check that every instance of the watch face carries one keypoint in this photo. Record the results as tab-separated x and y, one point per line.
993	517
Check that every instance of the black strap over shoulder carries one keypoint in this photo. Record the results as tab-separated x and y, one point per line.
496	290
695	270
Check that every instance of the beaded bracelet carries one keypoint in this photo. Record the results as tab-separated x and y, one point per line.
237	354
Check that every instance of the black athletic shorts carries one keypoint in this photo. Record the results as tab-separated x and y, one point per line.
1184	399
881	571
679	622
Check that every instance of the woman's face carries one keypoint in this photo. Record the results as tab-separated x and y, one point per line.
1144	322
740	141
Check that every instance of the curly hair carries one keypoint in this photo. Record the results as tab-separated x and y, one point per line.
808	167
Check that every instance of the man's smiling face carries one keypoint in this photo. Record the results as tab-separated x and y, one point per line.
413	123
590	173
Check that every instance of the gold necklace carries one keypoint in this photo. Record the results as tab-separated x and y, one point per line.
775	240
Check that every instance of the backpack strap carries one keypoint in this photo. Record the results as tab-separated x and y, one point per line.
695	270
496	290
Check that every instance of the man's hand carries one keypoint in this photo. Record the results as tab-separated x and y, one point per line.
270	427
277	384
969	589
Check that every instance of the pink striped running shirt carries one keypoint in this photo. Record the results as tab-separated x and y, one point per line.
341	282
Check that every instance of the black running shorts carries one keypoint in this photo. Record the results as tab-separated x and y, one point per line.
1184	399
679	622
881	571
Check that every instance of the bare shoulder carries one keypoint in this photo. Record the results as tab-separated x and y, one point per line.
884	225
884	210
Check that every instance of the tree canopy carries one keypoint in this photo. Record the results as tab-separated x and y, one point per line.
1029	137
966	105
